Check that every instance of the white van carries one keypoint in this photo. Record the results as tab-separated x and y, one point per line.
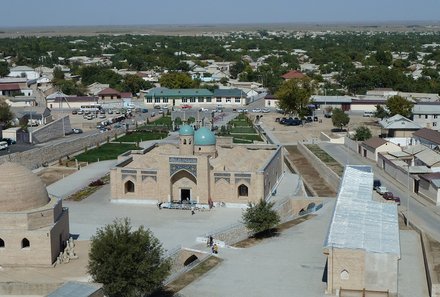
368	114
3	145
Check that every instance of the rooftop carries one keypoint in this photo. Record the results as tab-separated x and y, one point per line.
374	142
358	222
229	93
293	74
399	122
178	93
428	134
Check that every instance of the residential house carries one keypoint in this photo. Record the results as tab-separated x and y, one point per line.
427	137
367	103
398	126
109	93
21	101
24	72
96	87
9	89
429	187
427	114
428	158
293	74
270	101
371	147
322	102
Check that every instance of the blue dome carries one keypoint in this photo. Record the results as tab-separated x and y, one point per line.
186	130
204	136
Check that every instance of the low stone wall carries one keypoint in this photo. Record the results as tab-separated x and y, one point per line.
330	177
18	288
52	130
36	157
351	144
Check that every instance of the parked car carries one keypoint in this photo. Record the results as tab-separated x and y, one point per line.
9	141
184	106
388	196
161	111
144	110
77	131
3	145
110	111
368	114
256	110
152	114
328	115
74	111
381	190
203	109
376	183
397	200
309	119
265	110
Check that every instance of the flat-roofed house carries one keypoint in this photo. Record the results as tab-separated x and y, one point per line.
427	158
363	242
371	147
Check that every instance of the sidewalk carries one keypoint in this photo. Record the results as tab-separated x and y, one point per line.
80	179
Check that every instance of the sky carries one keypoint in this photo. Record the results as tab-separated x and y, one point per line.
193	12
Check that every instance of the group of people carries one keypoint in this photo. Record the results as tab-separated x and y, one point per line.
212	245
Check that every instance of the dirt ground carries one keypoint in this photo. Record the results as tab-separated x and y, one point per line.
289	134
52	174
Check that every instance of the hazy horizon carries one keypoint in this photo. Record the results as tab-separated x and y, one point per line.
50	13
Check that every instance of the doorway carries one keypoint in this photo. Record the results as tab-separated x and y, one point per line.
185	195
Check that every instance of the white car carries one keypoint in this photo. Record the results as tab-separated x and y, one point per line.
203	109
265	110
256	110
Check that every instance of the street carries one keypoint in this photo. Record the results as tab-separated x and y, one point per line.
424	216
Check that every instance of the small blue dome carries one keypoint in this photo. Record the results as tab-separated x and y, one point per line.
186	130
204	136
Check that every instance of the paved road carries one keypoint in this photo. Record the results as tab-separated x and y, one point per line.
424	216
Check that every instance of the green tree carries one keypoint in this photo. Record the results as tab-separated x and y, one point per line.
236	69
384	58
380	112
4	69
176	80
260	217
6	114
339	118
133	83
362	133
58	74
399	105
129	263
294	95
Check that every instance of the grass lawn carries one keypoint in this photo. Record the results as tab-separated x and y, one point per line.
166	120
244	130
245	138
139	136
108	151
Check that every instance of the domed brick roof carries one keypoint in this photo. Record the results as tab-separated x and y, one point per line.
204	136
186	130
20	189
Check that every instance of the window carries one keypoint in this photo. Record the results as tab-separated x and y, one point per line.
2	243
25	243
208	99
129	187
237	100
434	124
165	100
426	116
149	100
345	275
201	100
228	100
156	100
184	100
218	99
192	99
435	116
242	190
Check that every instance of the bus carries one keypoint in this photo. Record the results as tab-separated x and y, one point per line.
91	108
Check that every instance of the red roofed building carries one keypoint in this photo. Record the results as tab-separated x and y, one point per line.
293	74
9	89
109	93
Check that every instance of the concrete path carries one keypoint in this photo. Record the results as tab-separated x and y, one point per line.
80	179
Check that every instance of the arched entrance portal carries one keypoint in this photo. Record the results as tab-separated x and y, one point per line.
183	186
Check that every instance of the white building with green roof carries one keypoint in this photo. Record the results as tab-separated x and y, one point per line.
196	97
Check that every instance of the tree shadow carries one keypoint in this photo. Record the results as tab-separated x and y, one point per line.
274	232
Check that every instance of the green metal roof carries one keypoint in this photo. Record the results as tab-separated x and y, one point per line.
229	93
178	93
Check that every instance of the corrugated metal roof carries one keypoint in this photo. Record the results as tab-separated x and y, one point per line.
229	93
428	134
414	149
429	157
331	99
358	222
178	93
399	154
399	122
